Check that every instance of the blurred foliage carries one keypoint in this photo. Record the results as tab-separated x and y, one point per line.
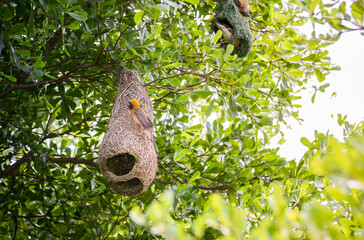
343	16
215	115
330	206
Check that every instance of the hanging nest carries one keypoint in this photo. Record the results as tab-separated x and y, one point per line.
127	160
228	14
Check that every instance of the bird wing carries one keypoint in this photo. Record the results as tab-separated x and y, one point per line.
143	119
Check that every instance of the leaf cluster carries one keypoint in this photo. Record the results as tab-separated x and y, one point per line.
215	115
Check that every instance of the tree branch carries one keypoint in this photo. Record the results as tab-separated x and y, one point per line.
212	188
203	187
42	228
36	84
19	162
74	160
14	166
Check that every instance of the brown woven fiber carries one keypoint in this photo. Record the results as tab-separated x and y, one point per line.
127	160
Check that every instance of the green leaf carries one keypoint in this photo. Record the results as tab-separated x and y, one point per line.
154	12
24	53
202	93
295	58
342	8
31	23
306	142
64	143
11	78
357	9
320	76
162	7
194	128
80	16
176	64
232	106
303	189
313	97
69	176
15	56
109	2
48	103
295	72
75	25
195	176
195	2
287	46
217	36
258	205
229	50
138	17
209	109
39	64
268	121
323	87
313	4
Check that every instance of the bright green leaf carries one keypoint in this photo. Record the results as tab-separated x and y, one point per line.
80	16
217	36
195	2
39	64
320	76
138	17
11	78
306	142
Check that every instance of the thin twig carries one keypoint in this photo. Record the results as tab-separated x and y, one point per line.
91	217
116	221
170	173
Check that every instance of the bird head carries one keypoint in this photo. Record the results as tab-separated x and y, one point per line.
133	104
245	13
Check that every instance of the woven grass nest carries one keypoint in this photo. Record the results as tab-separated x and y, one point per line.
228	14
127	160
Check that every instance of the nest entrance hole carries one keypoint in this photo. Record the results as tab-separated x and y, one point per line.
134	185
226	23
121	164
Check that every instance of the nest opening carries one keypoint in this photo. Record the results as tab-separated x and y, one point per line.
121	164
132	187
226	22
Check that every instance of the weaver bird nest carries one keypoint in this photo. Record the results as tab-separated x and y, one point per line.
228	14
127	160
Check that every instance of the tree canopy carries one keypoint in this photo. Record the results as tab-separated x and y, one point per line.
215	115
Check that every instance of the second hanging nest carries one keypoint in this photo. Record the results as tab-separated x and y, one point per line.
228	14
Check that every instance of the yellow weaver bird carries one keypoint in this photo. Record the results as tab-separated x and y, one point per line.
141	119
243	7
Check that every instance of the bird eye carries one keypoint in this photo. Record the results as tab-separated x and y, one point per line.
130	105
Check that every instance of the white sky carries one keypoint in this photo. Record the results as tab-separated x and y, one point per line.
348	53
